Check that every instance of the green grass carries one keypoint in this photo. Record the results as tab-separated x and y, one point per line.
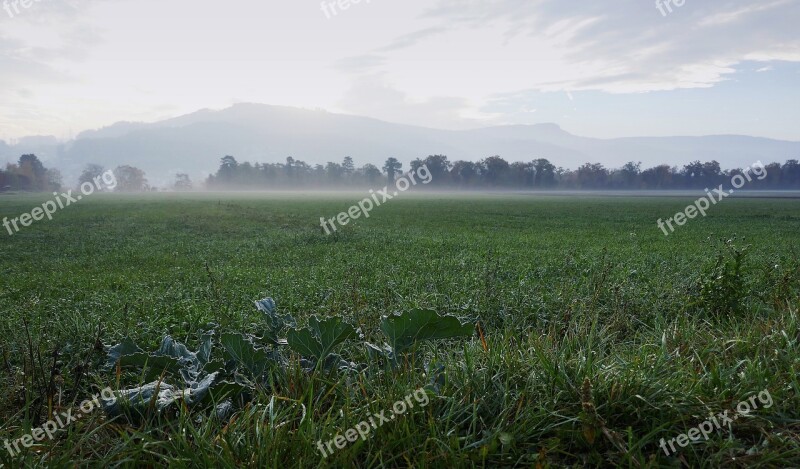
573	293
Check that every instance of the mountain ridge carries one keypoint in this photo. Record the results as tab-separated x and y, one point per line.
195	142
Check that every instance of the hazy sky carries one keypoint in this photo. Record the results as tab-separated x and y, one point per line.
600	69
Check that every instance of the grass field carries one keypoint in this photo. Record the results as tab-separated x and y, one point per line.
603	336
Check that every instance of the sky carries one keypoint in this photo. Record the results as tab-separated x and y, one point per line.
598	69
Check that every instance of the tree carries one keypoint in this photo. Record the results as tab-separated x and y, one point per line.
12	180
91	173
773	177
228	167
693	174
54	179
521	174
289	168
592	176
438	165
371	173
348	166
301	170
790	174
334	172
130	179
659	177
464	173
392	167
319	173
712	173
495	169
35	172
5	181
544	173
182	182
630	174
416	164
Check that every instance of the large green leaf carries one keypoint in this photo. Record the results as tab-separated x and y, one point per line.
136	401
204	353
267	305
155	365
275	323
405	330
160	395
171	357
222	390
171	348
126	347
244	353
320	337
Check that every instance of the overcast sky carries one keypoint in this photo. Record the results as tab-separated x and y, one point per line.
599	69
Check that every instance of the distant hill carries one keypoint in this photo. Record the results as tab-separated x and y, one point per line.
195	142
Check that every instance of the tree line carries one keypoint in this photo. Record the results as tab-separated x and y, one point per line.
493	172
30	174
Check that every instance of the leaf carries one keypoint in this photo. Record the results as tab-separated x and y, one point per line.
303	342
171	357
224	410
267	305
171	348
334	361
157	364
204	352
275	322
375	352
204	378
243	352
320	337
214	365
126	347
224	390
406	329
138	400
200	389
162	395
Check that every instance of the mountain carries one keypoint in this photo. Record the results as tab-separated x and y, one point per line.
195	142
46	147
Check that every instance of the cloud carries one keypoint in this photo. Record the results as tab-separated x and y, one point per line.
21	68
359	64
38	39
695	46
441	62
412	39
740	14
480	49
372	95
371	61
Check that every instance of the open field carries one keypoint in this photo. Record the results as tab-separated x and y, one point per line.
603	336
